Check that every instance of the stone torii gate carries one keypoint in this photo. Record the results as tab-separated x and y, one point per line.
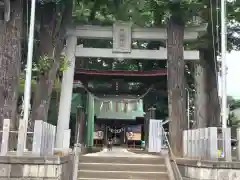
122	35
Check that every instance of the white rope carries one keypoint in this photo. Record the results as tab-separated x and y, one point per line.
115	130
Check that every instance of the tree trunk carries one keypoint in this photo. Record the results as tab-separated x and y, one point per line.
208	53
10	63
176	85
211	82
51	45
207	107
201	96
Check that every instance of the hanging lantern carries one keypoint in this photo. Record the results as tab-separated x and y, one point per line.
126	107
116	106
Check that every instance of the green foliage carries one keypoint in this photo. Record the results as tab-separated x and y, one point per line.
233	117
56	88
64	63
234	121
234	104
22	83
45	62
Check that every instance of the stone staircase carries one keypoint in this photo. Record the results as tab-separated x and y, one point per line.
122	168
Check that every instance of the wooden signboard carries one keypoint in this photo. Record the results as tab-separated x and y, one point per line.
98	132
133	136
97	135
134	133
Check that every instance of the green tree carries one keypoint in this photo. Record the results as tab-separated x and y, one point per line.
234	120
53	17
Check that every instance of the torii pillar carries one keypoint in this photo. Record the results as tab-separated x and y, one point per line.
66	93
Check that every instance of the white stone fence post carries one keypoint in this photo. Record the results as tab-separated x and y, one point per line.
5	137
208	143
43	138
238	144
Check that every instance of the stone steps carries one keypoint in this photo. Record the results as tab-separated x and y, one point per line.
124	160
86	174
122	168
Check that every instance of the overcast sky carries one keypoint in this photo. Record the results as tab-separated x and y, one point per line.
233	76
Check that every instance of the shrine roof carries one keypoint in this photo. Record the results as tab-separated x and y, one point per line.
127	75
115	87
92	72
120	82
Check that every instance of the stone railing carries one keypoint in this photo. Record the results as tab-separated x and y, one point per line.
208	170
39	168
40	142
211	143
42	161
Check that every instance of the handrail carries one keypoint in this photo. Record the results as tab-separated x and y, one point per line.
172	155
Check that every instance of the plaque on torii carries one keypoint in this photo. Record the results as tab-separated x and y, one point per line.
122	37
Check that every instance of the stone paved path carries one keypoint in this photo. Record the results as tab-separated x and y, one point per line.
119	152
